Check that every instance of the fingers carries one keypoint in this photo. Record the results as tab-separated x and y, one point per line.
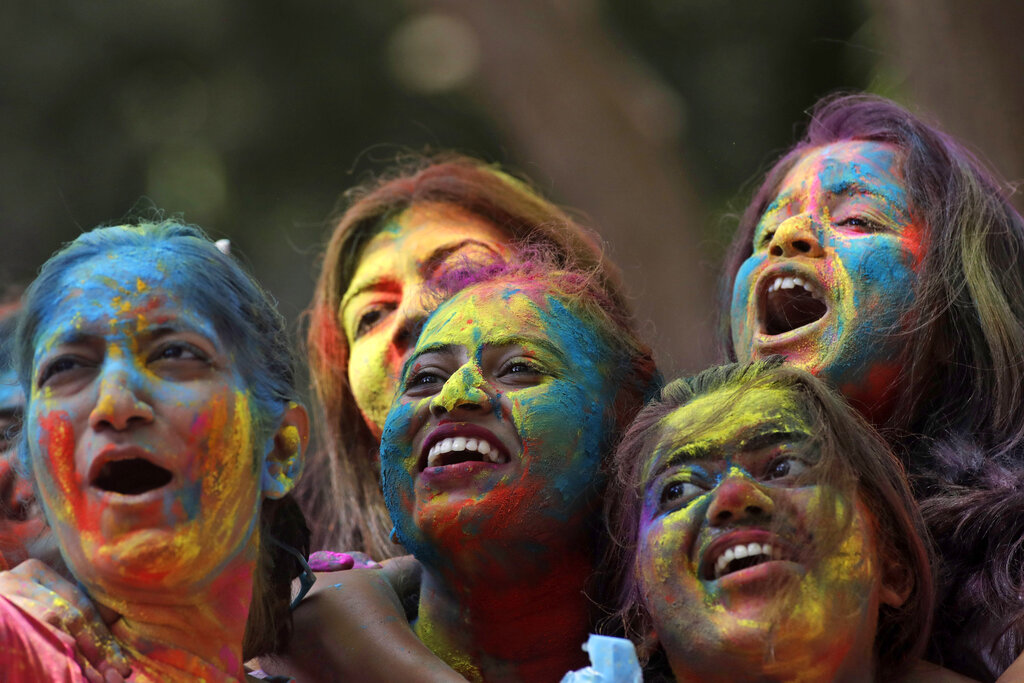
53	599
329	561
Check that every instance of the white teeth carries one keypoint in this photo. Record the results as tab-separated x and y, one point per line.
739	552
790	282
460	443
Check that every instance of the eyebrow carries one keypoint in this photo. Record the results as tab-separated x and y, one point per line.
425	268
692	452
77	337
846	187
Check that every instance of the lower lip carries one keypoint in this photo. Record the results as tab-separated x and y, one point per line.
769	342
114	498
459	475
767	572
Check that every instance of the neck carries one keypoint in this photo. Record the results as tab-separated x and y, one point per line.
525	623
194	633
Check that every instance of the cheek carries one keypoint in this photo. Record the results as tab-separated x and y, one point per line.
743	311
52	445
667	583
373	376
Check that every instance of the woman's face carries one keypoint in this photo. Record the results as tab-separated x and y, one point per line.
140	429
500	425
384	303
833	269
729	557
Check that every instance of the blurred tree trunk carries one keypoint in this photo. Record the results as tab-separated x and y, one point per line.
963	61
590	123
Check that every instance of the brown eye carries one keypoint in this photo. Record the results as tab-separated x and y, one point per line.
370	318
785	468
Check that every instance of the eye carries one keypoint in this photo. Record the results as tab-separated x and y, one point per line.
861	223
178	350
58	366
369	319
10	431
679	491
424	382
521	370
785	468
766	238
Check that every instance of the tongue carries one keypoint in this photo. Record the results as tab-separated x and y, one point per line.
788	309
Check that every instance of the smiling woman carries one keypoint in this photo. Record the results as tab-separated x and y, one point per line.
492	460
396	233
163	437
766	532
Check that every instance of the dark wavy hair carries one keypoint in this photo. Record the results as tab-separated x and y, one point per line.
246	320
854	461
341	492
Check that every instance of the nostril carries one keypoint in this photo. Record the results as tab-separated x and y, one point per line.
801	246
755	510
775	250
723	515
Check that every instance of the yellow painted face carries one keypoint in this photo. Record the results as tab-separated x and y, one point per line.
385	301
140	430
729	558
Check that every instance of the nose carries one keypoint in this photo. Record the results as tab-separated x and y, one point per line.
464	390
796	236
409	320
121	402
739	498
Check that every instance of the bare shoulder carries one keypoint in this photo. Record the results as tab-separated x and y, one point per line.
926	672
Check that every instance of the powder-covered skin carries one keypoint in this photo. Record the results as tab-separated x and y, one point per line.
126	366
842	221
723	475
514	361
387	292
22	528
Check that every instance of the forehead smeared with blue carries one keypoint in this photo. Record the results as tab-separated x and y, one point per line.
244	316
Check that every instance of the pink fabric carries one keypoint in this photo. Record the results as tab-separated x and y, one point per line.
30	651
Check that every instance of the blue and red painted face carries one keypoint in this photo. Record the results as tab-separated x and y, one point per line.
833	270
499	428
140	429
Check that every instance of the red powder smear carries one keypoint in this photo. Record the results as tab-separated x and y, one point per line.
57	438
875	396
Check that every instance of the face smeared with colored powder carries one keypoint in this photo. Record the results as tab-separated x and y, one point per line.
140	428
833	269
500	425
384	301
729	556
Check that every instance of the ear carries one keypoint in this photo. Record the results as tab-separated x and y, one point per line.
897	583
286	452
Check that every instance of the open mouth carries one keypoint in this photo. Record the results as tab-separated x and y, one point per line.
790	302
131	476
458	443
741	556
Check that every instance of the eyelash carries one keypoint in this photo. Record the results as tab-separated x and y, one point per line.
180	346
59	365
370	318
866	224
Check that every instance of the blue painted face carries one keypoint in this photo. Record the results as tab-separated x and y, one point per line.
500	424
12	402
833	269
139	427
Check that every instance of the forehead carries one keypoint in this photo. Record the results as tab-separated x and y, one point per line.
126	290
836	166
418	232
723	419
491	311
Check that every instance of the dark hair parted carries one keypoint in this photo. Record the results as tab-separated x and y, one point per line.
854	462
341	492
963	357
246	320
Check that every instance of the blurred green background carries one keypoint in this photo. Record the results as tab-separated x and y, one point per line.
651	118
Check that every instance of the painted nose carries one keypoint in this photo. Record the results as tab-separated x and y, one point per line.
464	390
796	236
739	498
119	404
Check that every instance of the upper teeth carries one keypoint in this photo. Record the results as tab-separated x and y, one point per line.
790	282
738	552
461	443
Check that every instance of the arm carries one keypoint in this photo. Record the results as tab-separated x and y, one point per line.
352	626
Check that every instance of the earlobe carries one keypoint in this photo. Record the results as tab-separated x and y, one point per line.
286	452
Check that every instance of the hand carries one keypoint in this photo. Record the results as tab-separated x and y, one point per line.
52	599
